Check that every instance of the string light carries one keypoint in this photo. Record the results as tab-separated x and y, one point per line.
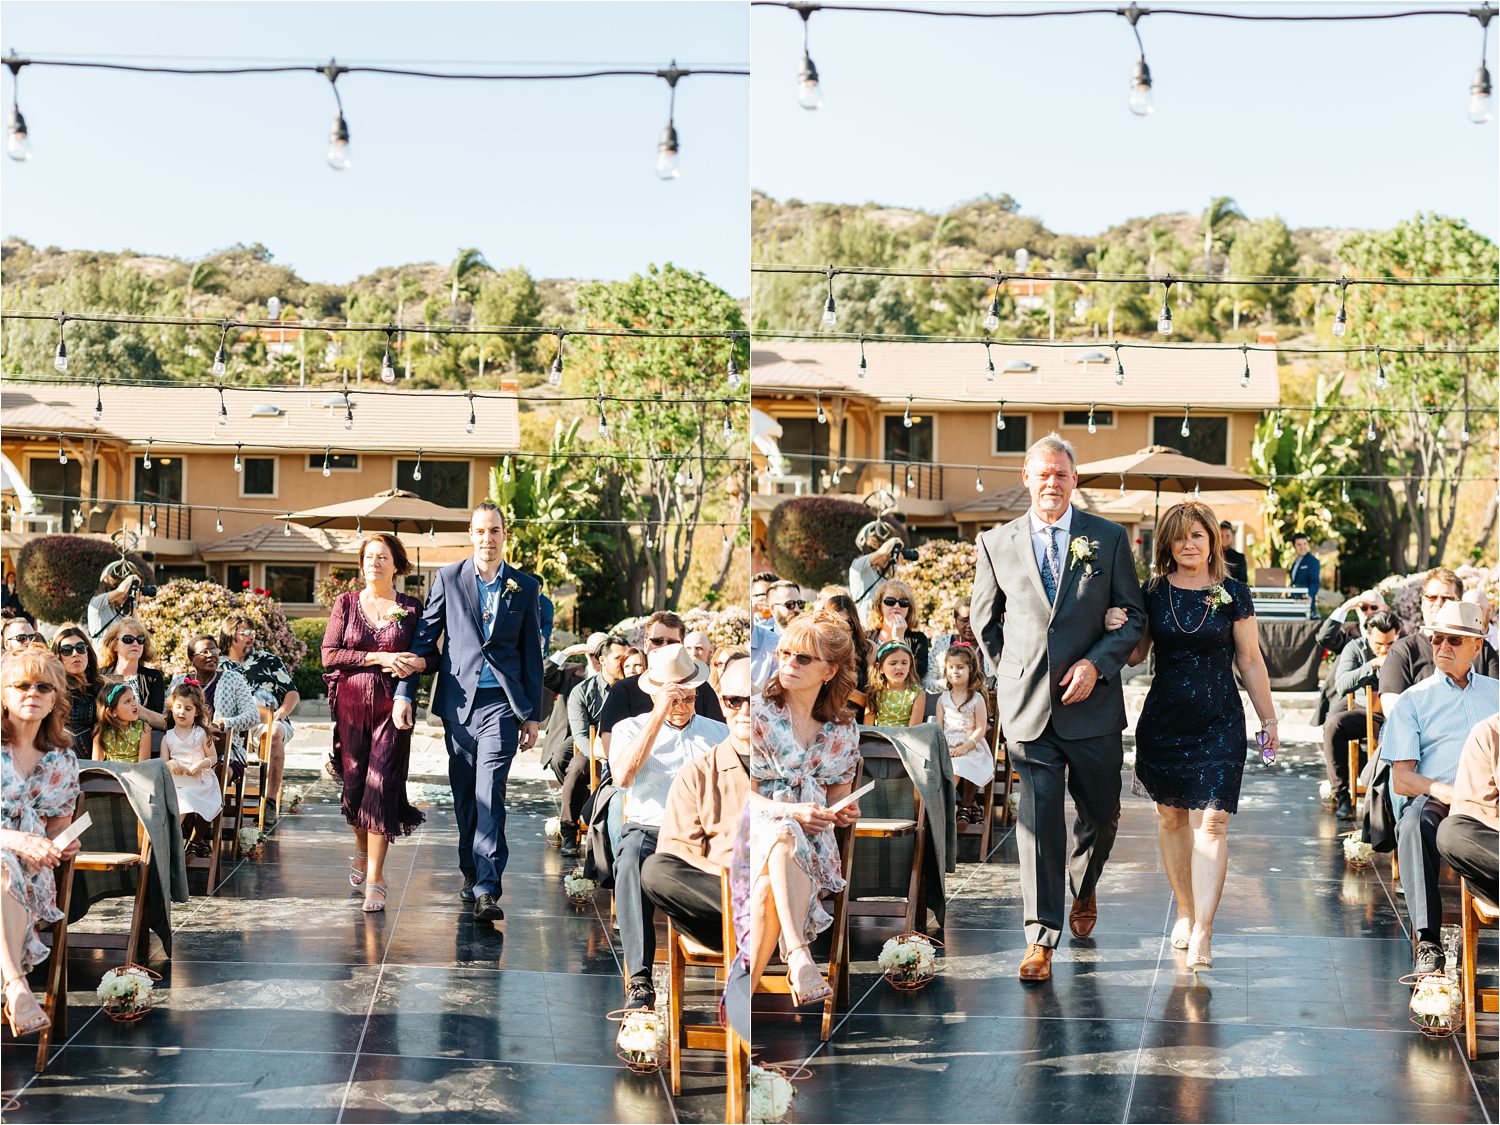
77	517
62	454
575	535
668	166
603	421
1276	423
327	469
864	368
910	484
473	422
348	411
906	417
1344	491
1119	367
1187	430
218	522
978	482
728	426
1122	484
1197	490
1481	103
286	526
598	476
823	418
809	92
989	363
1142	100
830	310
338	135
1381	382
431	532
732	369
1000	416
17	139
239	465
992	318
416	473
1088	277
1245	375
146	461
505	470
1341	319
555	373
223	419
221	364
1093	429
1370	432
1164	321
387	361
98	401
60	356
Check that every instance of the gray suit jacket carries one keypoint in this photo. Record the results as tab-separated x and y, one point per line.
1031	645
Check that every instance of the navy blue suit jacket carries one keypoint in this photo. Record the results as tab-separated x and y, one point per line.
512	647
1307	571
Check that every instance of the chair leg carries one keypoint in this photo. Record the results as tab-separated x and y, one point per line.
915	913
735	1078
1354	768
57	973
140	938
676	981
1470	975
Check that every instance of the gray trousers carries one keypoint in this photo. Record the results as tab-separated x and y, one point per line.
1416	848
1089	770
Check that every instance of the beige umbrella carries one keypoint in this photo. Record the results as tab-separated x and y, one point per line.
392	506
1159	466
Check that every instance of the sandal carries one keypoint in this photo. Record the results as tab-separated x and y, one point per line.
372	904
359	862
1180	933
1203	959
806	984
22	1012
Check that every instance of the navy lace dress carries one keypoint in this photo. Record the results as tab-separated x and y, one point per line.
1190	743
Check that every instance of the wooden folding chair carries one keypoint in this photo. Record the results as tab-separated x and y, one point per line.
884	765
252	785
683	951
241	799
108	806
1369	746
1478	914
1356	749
55	996
214	860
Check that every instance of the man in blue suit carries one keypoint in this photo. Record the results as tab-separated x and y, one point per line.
488	693
1306	570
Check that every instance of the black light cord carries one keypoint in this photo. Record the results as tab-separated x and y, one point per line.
1269	17
1142	278
1094	345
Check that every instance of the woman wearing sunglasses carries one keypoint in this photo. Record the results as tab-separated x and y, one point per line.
126	651
894	617
70	644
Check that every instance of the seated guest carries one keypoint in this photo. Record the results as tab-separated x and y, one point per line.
701	818
700	647
633	664
19	632
1337	632
70	644
786	602
760	586
722	657
228	694
894	617
1469	836
843	606
1487	663
646	756
1424	734
963	633
1410	659
272	686
1358	668
585	703
40	781
804	757
1235	564
626	698
126	654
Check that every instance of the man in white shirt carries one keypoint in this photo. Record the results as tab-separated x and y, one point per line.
645	756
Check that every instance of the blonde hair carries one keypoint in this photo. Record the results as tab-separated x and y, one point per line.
36	662
108	648
897	588
1176	526
826	636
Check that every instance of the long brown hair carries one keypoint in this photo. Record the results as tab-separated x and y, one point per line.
842	605
896	588
109	647
194	695
1177	525
36	662
826	636
105	706
91	681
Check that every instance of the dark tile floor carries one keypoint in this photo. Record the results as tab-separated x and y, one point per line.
1301	1018
283	1002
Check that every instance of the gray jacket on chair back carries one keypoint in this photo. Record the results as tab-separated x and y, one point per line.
1031	644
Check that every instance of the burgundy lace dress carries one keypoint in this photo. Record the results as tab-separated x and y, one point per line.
373	755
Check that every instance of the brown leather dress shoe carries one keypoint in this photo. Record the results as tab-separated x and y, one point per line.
1037	964
1084	914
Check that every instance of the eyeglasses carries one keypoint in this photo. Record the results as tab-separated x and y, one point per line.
128	639
802	658
237	633
207	651
1441	639
734	702
42	687
794	603
21	640
655	642
1438	599
904	603
78	648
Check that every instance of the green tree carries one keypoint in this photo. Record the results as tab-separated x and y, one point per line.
463	278
1263	248
543	508
510	298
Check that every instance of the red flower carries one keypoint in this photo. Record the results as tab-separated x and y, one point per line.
245	585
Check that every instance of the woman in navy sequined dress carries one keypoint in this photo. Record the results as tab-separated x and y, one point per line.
1190	740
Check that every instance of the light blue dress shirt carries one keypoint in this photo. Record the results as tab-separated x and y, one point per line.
1041	537
489	609
763	639
1431	721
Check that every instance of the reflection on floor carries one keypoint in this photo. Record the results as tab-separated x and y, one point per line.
1301	1018
283	1002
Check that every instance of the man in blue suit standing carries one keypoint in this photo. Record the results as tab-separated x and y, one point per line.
488	693
1306	570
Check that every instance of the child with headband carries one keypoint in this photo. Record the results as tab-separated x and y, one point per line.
896	697
120	734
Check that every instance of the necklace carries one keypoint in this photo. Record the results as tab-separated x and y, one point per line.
1172	605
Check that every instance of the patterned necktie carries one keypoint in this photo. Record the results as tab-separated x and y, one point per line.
1051	566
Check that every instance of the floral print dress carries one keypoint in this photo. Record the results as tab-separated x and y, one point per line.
786	772
51	790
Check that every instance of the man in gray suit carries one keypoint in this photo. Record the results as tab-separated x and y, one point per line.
1043	584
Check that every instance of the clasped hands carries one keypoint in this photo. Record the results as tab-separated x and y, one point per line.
401	664
814	818
37	850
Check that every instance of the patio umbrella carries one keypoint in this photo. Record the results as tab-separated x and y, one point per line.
394	506
1159	466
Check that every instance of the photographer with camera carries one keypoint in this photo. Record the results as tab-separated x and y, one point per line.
120	583
881	550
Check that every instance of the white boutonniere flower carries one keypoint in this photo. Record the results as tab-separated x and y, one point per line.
396	613
511	587
1216	596
1084	550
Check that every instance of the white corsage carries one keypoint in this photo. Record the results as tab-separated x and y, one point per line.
512	587
1084	550
396	613
1216	596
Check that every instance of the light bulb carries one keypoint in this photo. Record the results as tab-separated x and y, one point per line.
416	473
1463	434
98	412
1164	322
1245	375
505	474
989	367
1000	421
1119	370
1344	492
218	522
469	427
864	367
17	140
62	455
223	419
338	145
809	92
1142	101
823	418
555	374
830	313
60	357
432	533
349	422
387	367
732	373
1370	434
1481	101
1276	425
1093	429
77	517
1186	431
978	483
327	471
1341	323
992	318
598	476
603	427
1381	382
286	529
906	420
146	461
238	464
667	164
220	366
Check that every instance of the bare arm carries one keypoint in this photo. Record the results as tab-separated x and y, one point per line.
1252	668
143	752
1406	781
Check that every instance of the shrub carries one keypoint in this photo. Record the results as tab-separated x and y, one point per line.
309	673
56	575
942	574
812	538
185	607
328	589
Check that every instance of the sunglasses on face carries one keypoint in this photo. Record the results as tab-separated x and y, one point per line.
1438	599
793	603
904	603
655	642
803	659
1441	639
20	640
128	639
733	703
76	649
42	687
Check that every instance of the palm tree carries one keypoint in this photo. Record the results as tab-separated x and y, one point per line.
1219	213
202	276
470	261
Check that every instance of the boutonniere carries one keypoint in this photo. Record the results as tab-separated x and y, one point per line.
396	613
511	587
1216	596
1086	551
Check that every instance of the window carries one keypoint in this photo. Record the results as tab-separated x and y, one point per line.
336	462
1015	437
236	575
1081	418
1208	440
443	482
165	574
290	583
908	444
258	478
804	444
52	481
162	482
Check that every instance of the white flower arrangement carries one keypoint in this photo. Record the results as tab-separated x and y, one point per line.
638	1041
1357	851
397	613
1325	794
552	830
1436	1005
250	838
771	1095
293	798
1084	550
1216	596
579	887
908	961
126	993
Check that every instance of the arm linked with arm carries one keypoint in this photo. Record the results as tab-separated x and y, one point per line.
335	656
1110	652
425	641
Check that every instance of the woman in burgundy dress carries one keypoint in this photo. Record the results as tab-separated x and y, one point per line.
366	648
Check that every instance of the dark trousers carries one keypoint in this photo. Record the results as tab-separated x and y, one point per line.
1089	770
687	895
635	912
1416	848
575	791
1470	847
1338	731
479	759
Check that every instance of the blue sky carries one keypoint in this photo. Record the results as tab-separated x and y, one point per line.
1347	125
554	176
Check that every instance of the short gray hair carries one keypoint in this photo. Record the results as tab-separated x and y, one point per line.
1052	443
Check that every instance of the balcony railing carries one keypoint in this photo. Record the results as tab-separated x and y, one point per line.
171	521
809	475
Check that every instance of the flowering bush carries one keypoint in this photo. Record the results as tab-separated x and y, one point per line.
56	575
942	574
328	589
771	1095
185	607
309	674
728	627
1403	592
811	538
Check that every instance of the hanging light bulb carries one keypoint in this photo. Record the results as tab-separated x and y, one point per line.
1119	368
432	533
603	421
505	471
387	361
598	475
1197	490
359	525
1344	491
822	417
668	166
1164	321
724	537
1142	101
223	419
555	373
978	482
906	416
146	461
416	473
1187	430
728	426
1000	416
989	363
838	475
1276	423
60	357
1463	434
1341	319
1245	375
327	468
98	401
77	517
218	522
286	527
575	535
830	309
221	364
1093	429
62	454
1122	484
1370	432
909	482
338	136
992	318
1481	101
473	422
732	369
151	523
17	139
809	92
1381	382
1422	496
864	368
238	464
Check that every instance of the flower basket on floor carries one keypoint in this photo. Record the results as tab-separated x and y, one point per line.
552	830
1357	851
1437	1006
1325	795
128	993
579	887
250	841
293	799
773	1093
638	1043
909	961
